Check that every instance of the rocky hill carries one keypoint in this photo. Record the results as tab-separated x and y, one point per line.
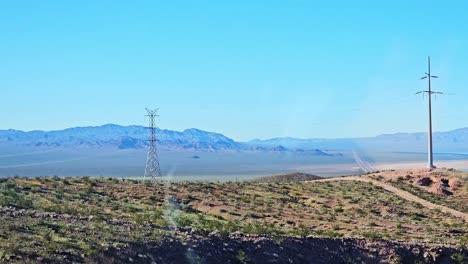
108	220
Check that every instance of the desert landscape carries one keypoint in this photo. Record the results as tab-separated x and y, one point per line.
233	132
397	216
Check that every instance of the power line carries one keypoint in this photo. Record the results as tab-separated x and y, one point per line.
429	92
152	169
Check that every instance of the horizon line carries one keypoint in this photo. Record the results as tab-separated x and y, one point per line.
260	139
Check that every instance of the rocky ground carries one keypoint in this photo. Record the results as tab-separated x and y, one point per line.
292	177
240	248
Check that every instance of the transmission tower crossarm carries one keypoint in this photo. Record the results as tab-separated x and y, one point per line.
429	92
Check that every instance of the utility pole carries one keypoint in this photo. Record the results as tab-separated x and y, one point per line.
430	159
152	169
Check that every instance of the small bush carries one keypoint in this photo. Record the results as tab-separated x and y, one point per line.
241	256
372	235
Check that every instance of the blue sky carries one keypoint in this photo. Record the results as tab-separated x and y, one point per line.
248	69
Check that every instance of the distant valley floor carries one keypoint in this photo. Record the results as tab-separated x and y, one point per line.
206	165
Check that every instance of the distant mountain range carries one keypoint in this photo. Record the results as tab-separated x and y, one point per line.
450	141
133	137
122	137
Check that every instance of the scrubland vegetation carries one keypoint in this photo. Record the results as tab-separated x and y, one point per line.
53	218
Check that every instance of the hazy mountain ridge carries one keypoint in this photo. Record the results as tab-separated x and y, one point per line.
132	137
123	137
449	141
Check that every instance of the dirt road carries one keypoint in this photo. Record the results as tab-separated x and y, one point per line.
364	165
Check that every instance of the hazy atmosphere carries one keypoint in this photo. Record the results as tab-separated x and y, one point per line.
234	132
260	70
293	73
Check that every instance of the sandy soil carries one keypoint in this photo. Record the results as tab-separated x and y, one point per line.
456	164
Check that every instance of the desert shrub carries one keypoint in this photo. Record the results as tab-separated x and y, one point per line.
155	217
338	209
372	235
187	208
302	231
463	240
88	189
229	227
260	228
184	221
64	208
10	184
148	183
60	194
133	209
251	214
209	224
65	181
139	218
396	260
15	199
459	258
331	233
241	256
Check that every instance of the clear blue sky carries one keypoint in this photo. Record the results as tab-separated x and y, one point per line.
248	69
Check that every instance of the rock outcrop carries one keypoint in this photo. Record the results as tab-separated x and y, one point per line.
441	187
424	181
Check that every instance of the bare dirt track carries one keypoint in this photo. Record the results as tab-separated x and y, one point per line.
401	193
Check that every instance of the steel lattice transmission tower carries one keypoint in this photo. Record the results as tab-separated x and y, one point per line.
429	92
152	169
